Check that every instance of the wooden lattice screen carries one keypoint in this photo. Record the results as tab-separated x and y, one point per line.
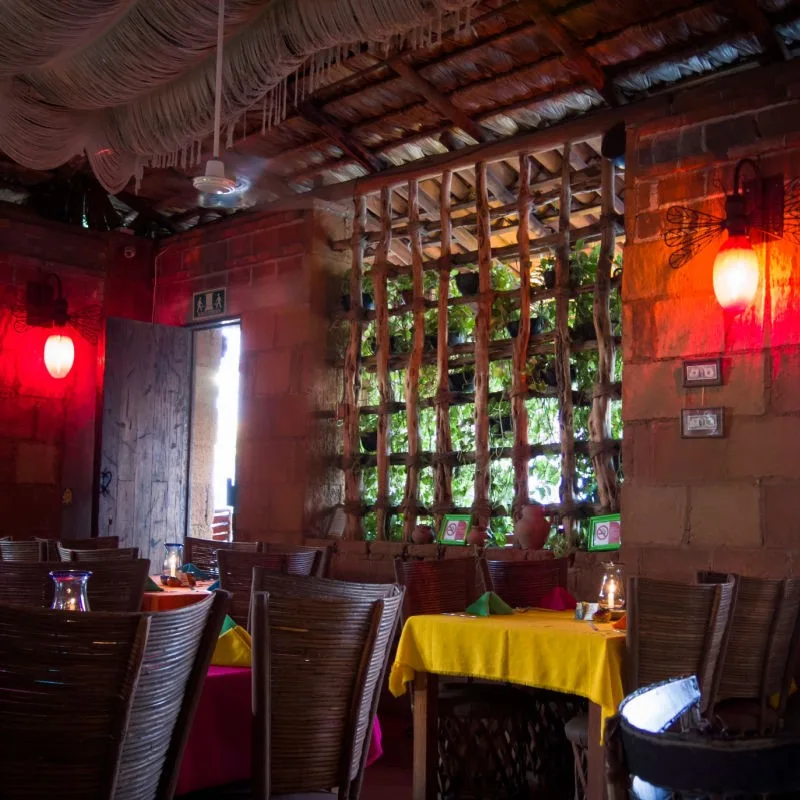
551	202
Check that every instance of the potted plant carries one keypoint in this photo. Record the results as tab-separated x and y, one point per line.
583	329
468	283
431	339
406	289
462	380
500	420
460	323
369	441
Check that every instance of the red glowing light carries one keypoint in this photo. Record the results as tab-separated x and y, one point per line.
736	274
59	355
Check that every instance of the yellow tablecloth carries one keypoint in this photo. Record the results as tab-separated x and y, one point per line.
546	649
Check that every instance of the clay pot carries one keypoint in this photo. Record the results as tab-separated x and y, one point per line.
532	528
468	283
477	536
422	534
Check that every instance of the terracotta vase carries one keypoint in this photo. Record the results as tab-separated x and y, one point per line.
422	534
477	536
532	528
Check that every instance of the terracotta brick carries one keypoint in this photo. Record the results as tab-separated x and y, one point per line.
779	120
646	194
50	421
649	225
646	272
654	514
730	133
674	563
240	247
765	447
785	377
273	372
293	327
781	520
682	188
725	515
652	390
638	340
754	562
688	327
18	417
258	330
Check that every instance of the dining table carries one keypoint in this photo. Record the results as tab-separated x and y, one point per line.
172	597
539	648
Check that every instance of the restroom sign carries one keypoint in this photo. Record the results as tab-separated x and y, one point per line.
209	304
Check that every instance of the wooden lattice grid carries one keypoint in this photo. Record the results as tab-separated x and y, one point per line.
588	209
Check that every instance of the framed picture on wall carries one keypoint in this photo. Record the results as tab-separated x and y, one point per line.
605	533
455	529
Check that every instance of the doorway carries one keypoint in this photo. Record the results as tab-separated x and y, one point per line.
214	425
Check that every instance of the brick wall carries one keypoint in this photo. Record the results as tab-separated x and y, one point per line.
47	426
722	504
275	268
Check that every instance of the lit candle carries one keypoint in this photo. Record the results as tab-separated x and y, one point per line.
173	564
611	591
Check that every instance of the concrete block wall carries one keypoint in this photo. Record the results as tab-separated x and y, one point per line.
275	267
721	504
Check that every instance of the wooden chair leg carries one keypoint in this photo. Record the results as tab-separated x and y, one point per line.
579	755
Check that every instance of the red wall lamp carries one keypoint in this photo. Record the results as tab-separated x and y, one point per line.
755	208
45	306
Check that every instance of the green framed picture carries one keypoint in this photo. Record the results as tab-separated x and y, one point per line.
455	529
605	533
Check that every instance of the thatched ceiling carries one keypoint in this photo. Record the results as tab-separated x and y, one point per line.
527	64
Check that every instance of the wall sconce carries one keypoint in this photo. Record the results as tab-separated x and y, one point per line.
44	306
754	207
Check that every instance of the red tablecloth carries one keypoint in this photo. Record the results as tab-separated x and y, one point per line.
218	750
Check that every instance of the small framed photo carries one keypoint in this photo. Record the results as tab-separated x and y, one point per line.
705	372
702	423
605	533
455	529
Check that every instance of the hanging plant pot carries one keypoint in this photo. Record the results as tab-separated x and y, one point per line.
372	345
395	345
369	441
430	343
537	326
367	301
345	300
549	276
408	296
454	337
512	326
583	332
501	424
462	381
549	374
468	282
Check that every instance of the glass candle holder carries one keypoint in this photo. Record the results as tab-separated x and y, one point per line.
612	590
70	592
173	560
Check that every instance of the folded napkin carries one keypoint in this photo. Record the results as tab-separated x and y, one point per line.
489	603
234	646
558	599
621	624
214	586
191	569
151	586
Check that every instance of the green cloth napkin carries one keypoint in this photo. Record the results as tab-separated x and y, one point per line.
151	586
214	586
227	624
489	603
191	569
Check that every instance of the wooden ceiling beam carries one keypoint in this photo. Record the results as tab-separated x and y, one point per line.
140	206
327	125
754	17
438	100
573	51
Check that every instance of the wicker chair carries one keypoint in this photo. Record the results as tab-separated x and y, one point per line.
66	692
236	575
114	586
523	584
322	564
179	649
674	629
94	543
657	749
483	736
317	663
203	552
761	642
33	550
107	554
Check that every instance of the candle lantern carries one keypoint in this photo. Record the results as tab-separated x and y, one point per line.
70	591
173	560
612	590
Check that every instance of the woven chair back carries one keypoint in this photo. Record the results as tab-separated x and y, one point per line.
761	638
179	649
325	648
203	552
677	629
33	550
321	565
523	584
236	575
99	554
114	586
66	690
95	543
440	587
291	586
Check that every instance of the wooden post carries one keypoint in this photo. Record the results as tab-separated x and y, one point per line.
410	498
443	493
352	380
562	351
599	423
519	385
481	507
382	340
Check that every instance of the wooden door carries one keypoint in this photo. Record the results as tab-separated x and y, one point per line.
145	436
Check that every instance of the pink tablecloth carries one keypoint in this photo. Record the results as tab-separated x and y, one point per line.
218	750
